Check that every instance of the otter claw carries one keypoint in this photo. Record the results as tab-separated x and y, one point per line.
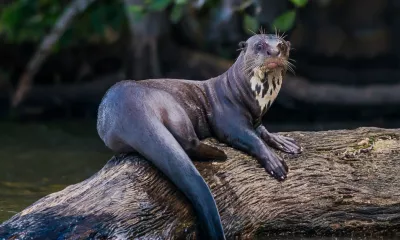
276	168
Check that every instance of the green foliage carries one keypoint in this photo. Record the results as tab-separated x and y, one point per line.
30	20
299	3
177	12
250	24
180	1
285	21
158	5
138	11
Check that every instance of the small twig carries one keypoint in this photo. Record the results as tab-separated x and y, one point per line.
25	81
46	97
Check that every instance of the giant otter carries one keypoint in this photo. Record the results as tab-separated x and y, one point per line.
165	119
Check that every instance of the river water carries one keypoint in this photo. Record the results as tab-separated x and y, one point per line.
38	159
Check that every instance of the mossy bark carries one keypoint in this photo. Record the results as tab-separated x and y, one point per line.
345	182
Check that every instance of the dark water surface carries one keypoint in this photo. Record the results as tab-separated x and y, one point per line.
37	159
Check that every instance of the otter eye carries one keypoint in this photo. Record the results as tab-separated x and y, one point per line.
259	47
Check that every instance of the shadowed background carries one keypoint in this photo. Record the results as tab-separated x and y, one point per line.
59	57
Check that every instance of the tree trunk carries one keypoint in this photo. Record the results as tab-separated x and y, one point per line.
345	182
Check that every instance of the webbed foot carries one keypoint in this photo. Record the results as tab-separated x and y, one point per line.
282	143
274	165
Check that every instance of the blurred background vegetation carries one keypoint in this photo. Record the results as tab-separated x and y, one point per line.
342	48
58	57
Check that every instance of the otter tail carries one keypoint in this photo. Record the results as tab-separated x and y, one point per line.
160	147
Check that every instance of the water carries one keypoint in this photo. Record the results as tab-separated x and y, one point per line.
38	159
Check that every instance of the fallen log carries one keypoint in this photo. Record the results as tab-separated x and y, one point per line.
345	182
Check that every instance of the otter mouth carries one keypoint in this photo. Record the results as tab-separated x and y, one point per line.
273	63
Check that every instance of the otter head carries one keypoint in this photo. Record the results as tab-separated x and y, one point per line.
264	61
265	53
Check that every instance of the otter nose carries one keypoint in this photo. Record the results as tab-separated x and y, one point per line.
273	52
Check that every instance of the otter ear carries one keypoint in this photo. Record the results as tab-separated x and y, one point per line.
242	45
288	44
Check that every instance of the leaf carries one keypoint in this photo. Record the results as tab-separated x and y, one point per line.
180	1
10	16
250	24
159	5
285	21
135	8
299	3
35	19
138	11
97	19
176	13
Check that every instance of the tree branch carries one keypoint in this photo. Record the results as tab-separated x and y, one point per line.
328	93
25	81
344	183
91	91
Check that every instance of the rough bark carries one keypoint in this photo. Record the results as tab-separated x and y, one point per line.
345	182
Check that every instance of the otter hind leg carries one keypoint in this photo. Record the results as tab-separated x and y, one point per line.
182	129
204	152
163	150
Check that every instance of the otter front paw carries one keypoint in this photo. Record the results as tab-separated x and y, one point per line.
276	167
284	144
